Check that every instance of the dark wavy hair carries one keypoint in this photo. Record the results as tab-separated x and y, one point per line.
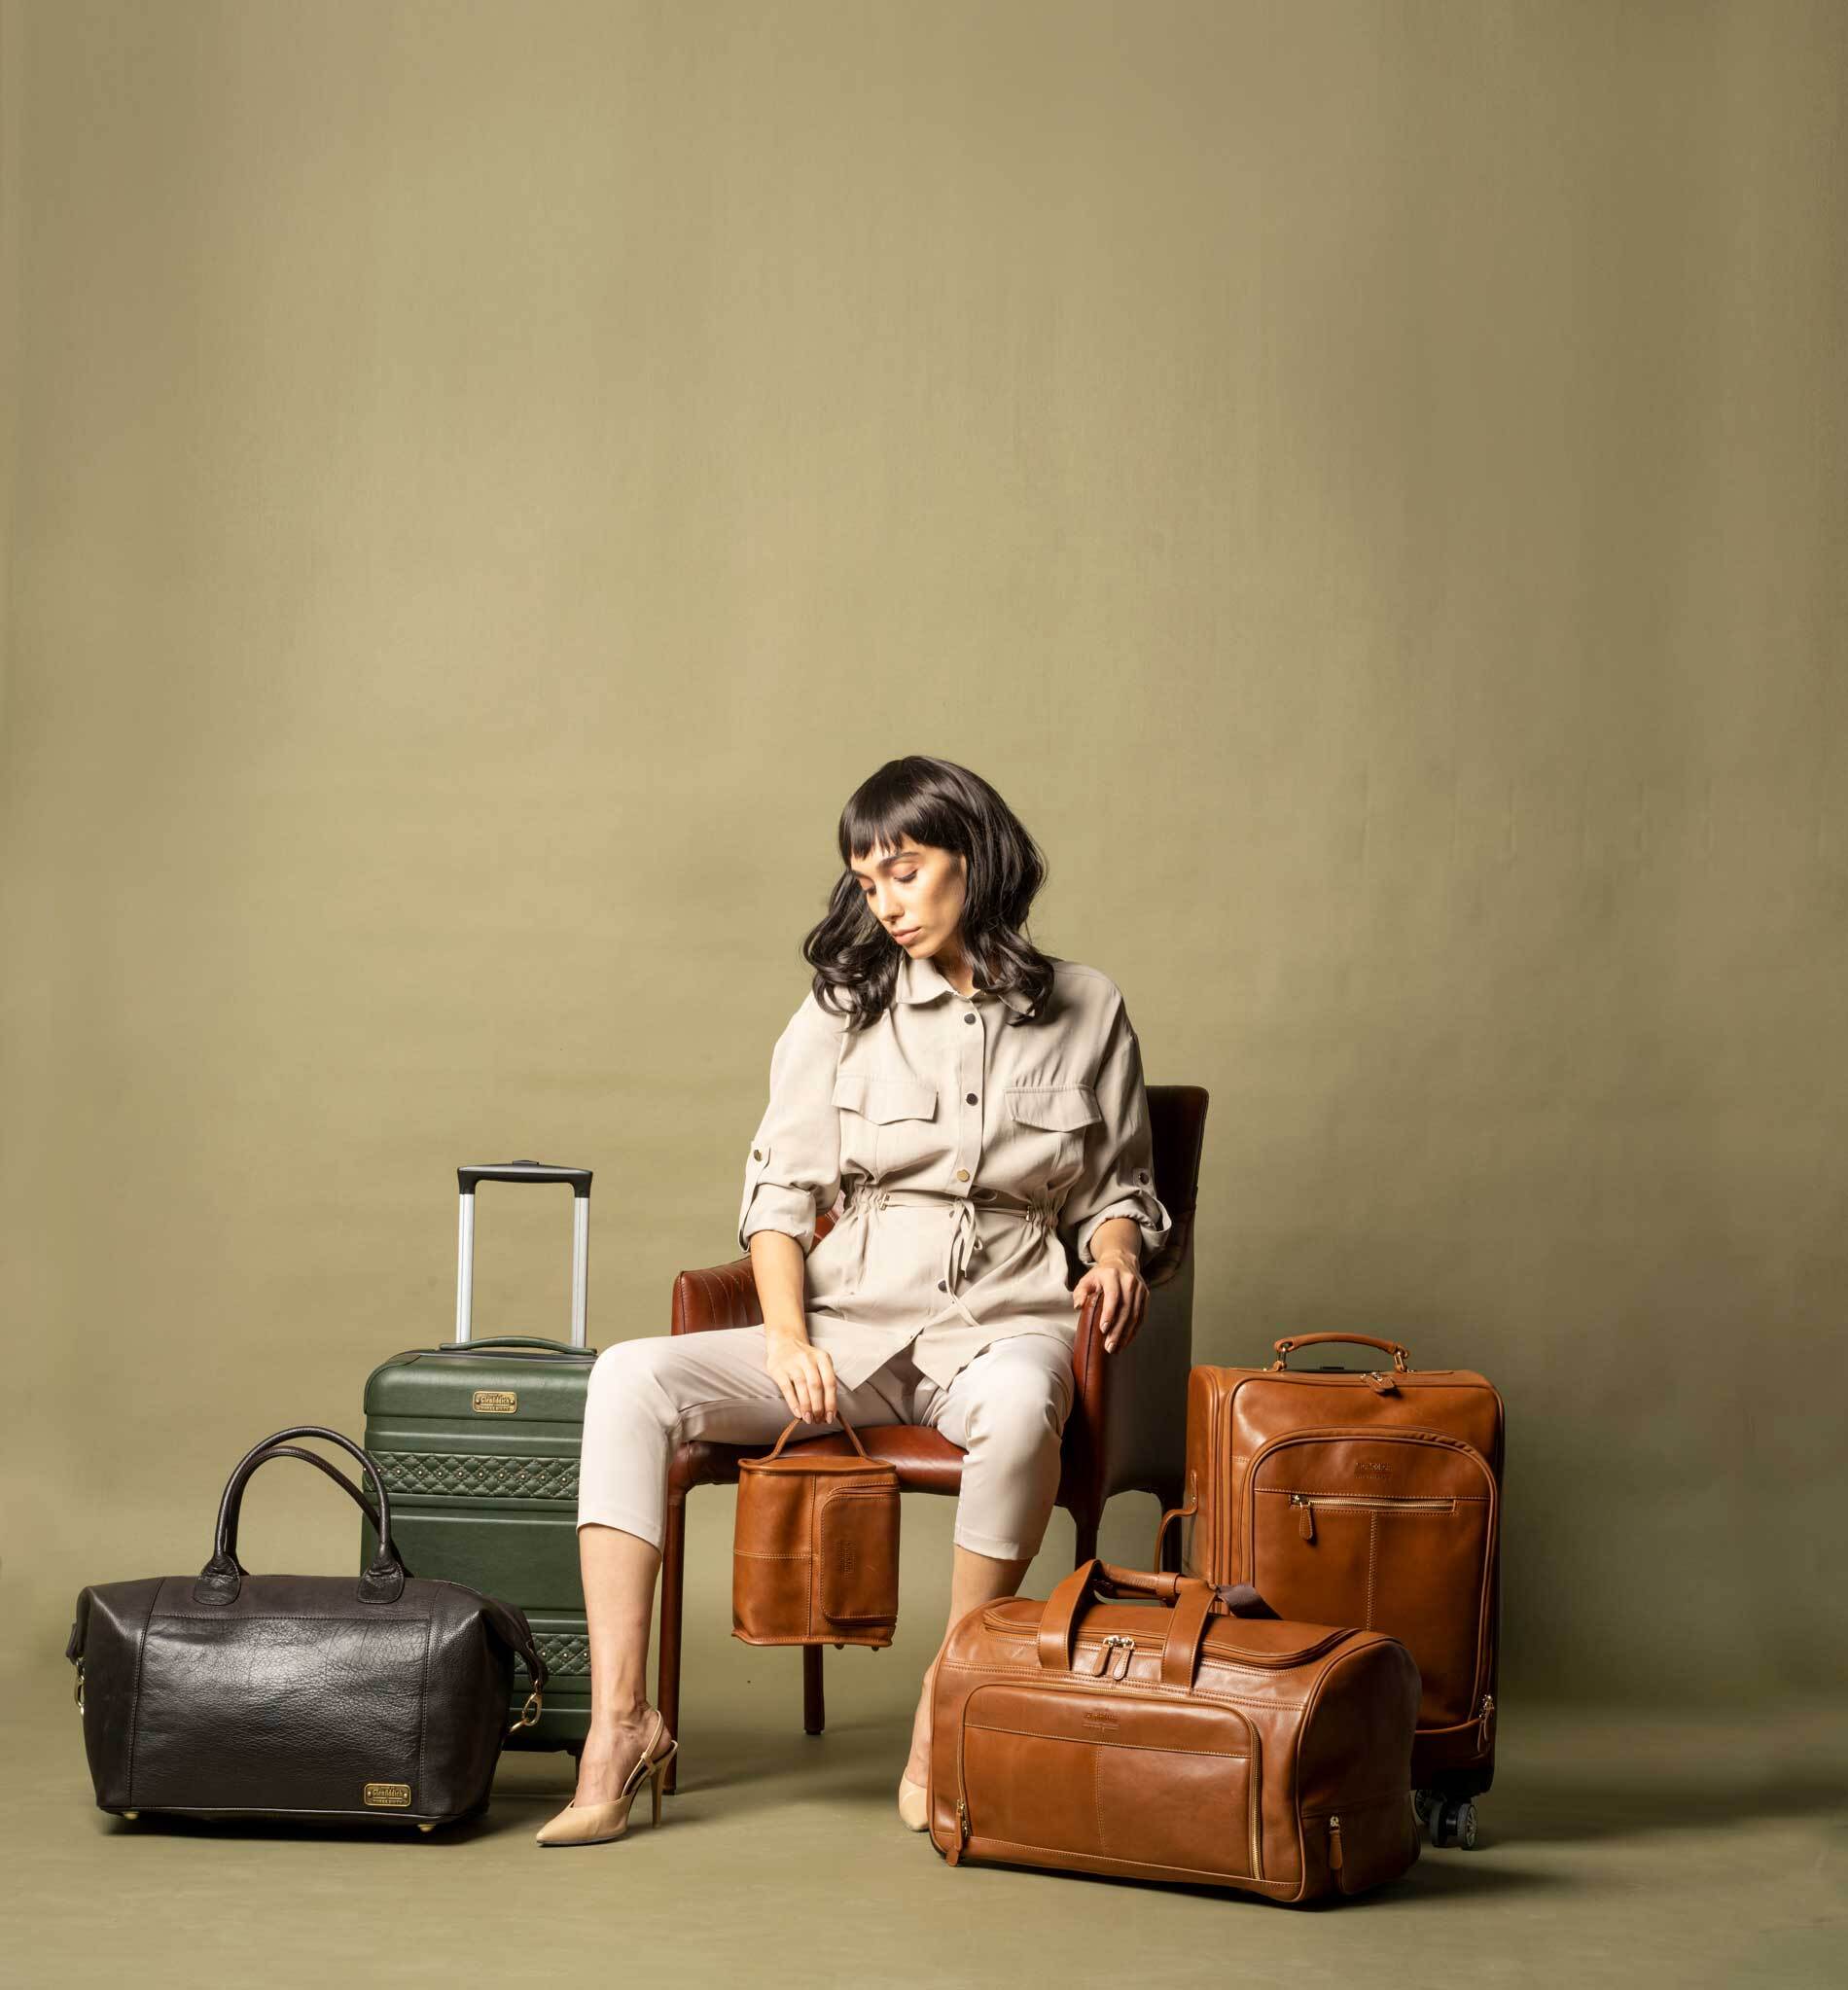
932	801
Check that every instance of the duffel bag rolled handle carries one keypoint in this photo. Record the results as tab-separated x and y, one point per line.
1402	1356
223	1577
1058	1623
1184	1628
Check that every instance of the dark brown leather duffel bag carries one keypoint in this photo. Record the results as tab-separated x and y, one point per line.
314	1697
1167	1739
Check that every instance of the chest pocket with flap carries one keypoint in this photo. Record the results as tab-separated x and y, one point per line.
889	1122
1050	1123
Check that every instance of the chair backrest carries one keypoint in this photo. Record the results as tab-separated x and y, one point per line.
1177	1124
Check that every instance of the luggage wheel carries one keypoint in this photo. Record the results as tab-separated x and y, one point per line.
1448	1821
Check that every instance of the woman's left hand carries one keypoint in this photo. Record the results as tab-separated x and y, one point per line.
1125	1297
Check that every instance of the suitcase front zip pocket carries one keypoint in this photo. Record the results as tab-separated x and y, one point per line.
1308	1503
1389	1530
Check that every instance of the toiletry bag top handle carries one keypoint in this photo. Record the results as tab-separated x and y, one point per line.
815	1546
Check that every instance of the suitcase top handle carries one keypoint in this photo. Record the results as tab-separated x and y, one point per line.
1402	1356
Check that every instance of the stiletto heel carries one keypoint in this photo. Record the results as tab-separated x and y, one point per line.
597	1822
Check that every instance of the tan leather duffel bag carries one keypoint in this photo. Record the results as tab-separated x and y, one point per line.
1369	1497
1165	1739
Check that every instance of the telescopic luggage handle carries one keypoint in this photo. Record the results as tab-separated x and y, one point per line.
523	1171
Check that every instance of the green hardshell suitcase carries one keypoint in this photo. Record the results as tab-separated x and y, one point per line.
478	1442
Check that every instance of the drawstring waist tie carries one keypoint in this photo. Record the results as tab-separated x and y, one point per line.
964	1240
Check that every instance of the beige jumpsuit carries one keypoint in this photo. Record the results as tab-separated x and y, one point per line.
961	1144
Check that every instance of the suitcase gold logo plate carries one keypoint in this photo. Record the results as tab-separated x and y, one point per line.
496	1401
387	1796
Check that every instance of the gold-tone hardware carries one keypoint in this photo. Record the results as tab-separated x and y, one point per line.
1126	1649
1483	1723
77	1691
495	1402
426	1828
528	1714
386	1795
962	1819
129	1816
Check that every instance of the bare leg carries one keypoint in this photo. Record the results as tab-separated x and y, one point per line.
973	1579
619	1599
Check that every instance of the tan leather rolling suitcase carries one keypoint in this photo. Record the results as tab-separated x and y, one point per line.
1164	1739
1373	1498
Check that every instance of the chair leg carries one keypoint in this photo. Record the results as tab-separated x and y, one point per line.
814	1711
673	1579
1086	1538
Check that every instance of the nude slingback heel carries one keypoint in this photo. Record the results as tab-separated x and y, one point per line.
597	1822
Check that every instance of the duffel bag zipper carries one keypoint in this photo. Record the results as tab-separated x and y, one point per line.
1308	1503
1334	1844
1254	1758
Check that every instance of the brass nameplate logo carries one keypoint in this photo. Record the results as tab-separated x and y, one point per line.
388	1796
496	1401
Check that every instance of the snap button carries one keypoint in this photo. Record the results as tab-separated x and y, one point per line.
962	1174
942	1284
757	1153
1141	1174
971	1016
969	1098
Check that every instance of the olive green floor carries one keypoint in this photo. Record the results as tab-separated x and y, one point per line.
1618	1848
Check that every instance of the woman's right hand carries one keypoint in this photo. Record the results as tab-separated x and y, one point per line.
805	1375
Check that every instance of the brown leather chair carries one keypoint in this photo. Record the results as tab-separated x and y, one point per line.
1126	1431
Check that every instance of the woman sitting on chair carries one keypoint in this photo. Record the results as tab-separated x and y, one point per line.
973	1101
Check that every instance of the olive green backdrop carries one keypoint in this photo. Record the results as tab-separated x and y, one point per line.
1365	483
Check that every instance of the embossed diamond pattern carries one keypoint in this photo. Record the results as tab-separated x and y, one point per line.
478	1475
565	1654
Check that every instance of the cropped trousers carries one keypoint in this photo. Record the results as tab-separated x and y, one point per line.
1006	1409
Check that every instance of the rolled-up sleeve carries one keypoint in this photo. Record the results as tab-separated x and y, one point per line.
791	1169
1117	1176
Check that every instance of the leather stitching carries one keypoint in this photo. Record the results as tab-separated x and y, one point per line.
1142	1685
1373	1562
1229	1754
423	1705
1141	1865
1097	1796
1303	1492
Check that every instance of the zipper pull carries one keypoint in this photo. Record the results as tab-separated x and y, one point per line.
1099	1659
1483	1722
1382	1385
956	1852
1334	1844
1305	1516
1125	1649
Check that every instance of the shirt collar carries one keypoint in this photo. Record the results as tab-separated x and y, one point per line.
920	979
